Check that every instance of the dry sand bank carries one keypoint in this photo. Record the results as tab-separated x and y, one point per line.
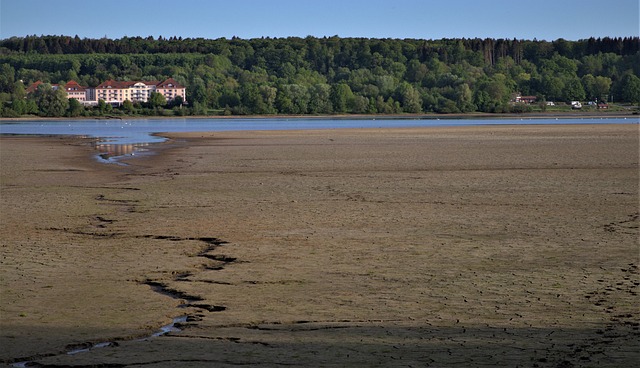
392	247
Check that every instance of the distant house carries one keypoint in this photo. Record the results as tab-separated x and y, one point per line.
33	87
524	99
116	92
528	99
72	88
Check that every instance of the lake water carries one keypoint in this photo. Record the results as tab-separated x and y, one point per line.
117	138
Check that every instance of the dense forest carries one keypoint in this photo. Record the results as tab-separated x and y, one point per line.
330	75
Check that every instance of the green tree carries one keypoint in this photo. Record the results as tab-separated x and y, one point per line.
19	92
359	105
410	98
464	98
198	108
31	107
157	100
7	78
294	99
284	103
573	90
552	87
416	71
498	88
588	83
382	107
320	102
198	93
482	100
102	105
447	106
601	87
75	108
596	87
629	88
51	102
178	101
19	106
340	95
127	105
268	97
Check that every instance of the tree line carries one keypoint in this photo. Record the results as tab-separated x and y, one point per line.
331	75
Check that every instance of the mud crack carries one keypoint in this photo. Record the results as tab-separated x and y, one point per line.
622	327
192	301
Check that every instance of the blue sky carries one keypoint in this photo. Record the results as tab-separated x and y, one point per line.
427	19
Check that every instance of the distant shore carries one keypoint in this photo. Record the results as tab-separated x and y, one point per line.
476	115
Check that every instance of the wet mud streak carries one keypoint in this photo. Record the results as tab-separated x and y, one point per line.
102	222
163	289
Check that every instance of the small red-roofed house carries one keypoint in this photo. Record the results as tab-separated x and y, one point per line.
33	87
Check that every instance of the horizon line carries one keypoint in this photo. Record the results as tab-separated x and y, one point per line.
182	38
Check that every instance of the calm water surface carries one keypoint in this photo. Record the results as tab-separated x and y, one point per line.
117	138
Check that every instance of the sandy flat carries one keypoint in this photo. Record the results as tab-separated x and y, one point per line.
469	246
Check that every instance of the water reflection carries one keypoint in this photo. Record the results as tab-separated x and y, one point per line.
107	151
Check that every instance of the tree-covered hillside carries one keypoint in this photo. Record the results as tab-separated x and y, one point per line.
334	75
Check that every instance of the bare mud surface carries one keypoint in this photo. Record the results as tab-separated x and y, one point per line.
444	247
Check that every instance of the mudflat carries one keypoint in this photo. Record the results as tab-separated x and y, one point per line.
466	246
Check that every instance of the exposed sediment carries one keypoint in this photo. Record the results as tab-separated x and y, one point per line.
495	246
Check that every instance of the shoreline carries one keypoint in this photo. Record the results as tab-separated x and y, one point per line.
462	116
153	148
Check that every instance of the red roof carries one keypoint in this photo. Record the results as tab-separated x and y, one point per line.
70	86
74	86
169	83
33	87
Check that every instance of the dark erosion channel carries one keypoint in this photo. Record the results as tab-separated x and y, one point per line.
187	301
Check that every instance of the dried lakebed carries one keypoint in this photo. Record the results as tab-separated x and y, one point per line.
494	246
213	262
